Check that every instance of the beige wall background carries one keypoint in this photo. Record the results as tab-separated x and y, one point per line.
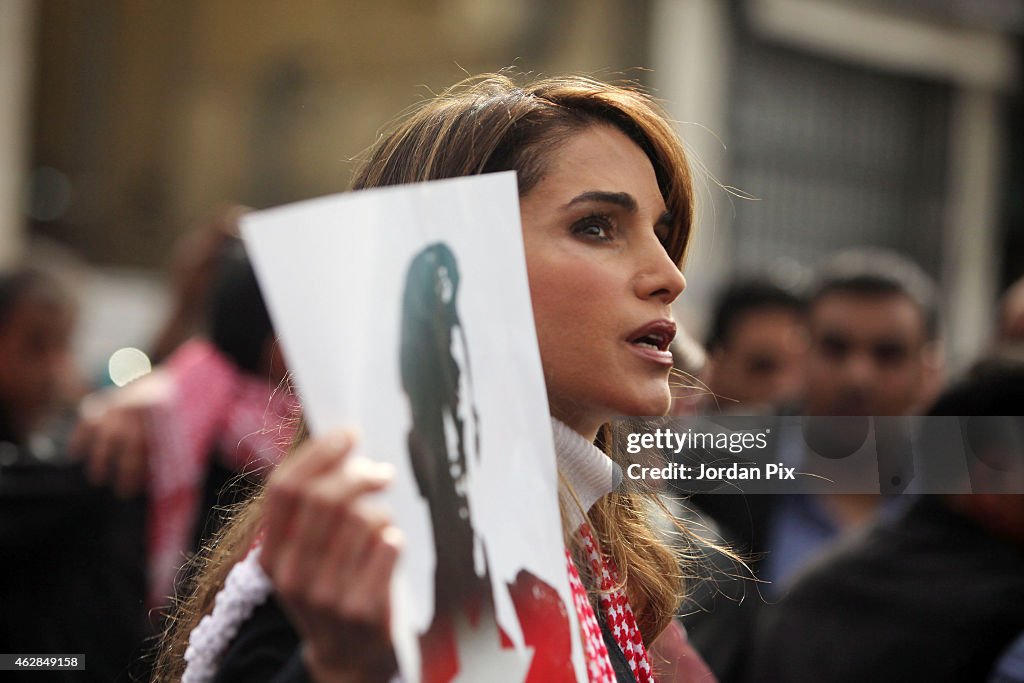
154	112
128	121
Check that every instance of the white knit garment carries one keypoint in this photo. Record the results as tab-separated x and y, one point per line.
586	468
246	587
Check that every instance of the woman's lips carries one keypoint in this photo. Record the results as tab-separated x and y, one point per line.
652	341
653	354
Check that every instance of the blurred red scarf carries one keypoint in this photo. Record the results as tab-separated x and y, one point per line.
214	408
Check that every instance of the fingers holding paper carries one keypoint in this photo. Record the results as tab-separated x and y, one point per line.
330	550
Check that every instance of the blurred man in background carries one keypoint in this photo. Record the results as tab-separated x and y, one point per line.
874	337
757	347
874	351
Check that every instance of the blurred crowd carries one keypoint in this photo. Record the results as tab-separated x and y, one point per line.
856	587
106	493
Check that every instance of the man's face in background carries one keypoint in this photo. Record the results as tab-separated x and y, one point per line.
760	364
869	355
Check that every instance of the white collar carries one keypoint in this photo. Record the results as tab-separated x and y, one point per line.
585	467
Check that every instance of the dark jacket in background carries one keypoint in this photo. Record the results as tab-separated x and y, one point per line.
927	596
71	573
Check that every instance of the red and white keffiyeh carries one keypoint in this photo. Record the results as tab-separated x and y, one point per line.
595	652
617	612
213	408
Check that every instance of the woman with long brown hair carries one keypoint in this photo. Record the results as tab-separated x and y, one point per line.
606	201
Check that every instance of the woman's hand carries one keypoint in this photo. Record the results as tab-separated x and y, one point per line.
330	552
112	433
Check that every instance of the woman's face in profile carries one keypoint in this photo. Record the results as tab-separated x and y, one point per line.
601	281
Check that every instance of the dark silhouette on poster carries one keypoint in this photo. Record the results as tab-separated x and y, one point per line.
443	444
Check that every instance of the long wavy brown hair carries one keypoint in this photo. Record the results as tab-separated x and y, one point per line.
482	125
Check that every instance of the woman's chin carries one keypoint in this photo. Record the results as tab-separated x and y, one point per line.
653	405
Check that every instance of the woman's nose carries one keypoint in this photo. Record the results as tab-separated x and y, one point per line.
659	277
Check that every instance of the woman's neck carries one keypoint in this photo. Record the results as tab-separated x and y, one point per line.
584	425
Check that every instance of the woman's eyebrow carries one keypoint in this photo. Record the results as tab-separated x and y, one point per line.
623	199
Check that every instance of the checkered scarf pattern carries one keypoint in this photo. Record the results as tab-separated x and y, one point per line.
214	408
618	613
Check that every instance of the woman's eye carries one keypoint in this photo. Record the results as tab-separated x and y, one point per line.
594	227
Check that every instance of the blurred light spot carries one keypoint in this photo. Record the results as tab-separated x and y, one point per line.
43	447
128	364
49	194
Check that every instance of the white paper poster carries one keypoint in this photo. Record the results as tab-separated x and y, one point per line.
406	311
